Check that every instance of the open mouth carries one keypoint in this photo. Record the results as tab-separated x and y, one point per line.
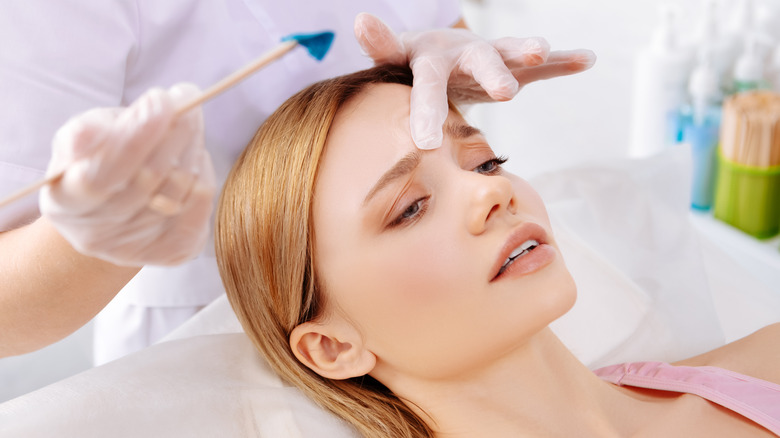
525	251
522	250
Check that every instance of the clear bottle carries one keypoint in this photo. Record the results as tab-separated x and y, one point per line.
720	45
749	69
767	17
742	21
660	77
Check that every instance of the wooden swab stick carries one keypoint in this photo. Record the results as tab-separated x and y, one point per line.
26	190
317	45
728	130
239	75
750	131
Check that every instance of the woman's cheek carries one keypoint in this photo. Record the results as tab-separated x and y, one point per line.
424	274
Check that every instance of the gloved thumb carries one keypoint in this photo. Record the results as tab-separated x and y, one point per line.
80	136
379	41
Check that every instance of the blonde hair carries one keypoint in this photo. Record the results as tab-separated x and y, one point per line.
264	239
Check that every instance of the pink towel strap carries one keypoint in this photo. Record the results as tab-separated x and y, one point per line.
750	397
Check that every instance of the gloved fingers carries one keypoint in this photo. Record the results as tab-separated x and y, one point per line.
181	94
174	159
485	64
72	192
187	232
185	192
183	136
379	41
152	237
169	198
522	52
143	193
199	202
164	181
559	63
79	137
429	107
102	151
135	135
72	145
574	61
186	134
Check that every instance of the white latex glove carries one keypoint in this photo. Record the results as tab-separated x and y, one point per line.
461	63
139	183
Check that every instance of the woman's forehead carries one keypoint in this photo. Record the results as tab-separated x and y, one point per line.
380	109
369	135
370	132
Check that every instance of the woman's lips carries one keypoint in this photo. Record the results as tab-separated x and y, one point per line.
535	258
529	263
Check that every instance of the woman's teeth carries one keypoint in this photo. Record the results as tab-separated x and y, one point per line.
520	251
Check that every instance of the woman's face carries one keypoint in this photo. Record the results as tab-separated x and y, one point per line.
411	245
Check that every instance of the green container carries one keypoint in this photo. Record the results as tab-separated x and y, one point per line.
748	197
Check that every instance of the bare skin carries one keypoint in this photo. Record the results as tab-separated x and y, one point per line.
49	289
689	415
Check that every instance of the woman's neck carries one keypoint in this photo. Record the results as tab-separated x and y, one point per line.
540	389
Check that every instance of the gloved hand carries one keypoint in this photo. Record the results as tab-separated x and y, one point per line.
139	183
468	67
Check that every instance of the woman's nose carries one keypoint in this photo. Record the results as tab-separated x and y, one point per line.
489	197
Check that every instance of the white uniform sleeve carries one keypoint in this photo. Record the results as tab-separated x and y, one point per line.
57	59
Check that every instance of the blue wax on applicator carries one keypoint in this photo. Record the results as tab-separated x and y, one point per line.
317	43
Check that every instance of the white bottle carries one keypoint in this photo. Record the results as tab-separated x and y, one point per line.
741	23
767	18
721	47
660	81
704	90
749	69
742	18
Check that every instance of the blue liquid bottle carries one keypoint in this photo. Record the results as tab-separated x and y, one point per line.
700	128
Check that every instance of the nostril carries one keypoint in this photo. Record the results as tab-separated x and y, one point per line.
512	206
492	210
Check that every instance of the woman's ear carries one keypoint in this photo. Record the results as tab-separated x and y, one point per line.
333	350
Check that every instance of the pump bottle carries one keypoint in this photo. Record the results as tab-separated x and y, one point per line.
661	75
700	129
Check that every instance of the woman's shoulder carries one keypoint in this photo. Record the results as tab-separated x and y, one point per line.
756	355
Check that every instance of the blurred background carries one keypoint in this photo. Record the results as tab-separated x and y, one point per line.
588	117
585	118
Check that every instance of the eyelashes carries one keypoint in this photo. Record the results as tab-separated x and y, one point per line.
491	166
412	213
417	209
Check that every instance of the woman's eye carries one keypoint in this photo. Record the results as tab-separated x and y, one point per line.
491	166
412	213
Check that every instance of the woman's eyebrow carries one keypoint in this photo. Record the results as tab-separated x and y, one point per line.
410	161
403	167
460	131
